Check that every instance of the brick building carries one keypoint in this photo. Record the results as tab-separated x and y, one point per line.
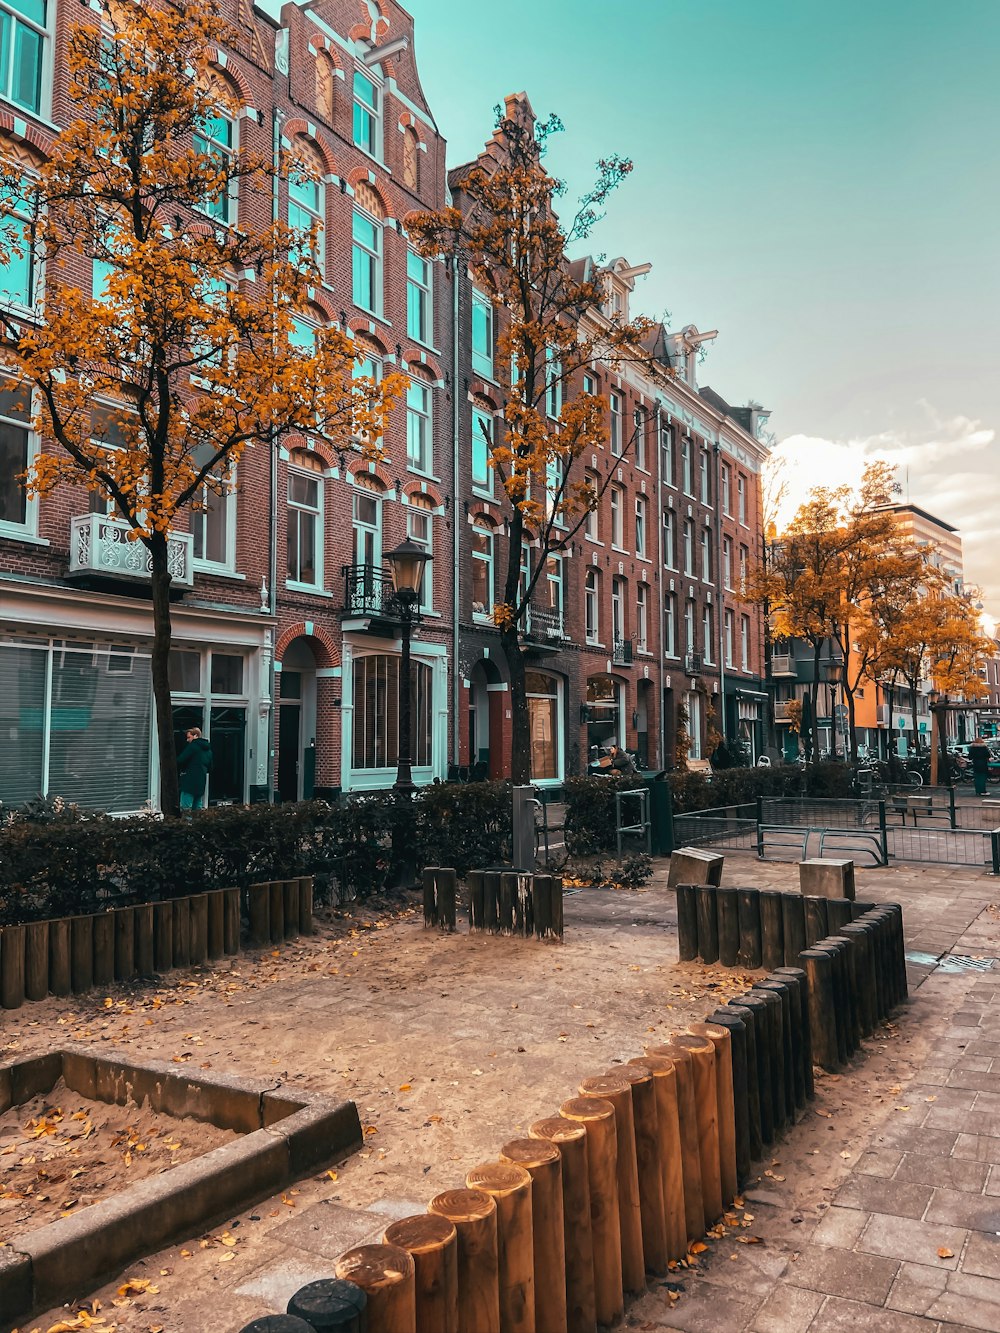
285	648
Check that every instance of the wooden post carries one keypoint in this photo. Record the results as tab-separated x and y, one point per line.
231	920
776	1056
476	902
772	934
707	1112
60	957
822	1018
124	918
144	940
276	910
182	931
430	897
668	1128
12	946
727	914
752	1008
839	913
817	924
216	923
786	1088
198	918
687	922
474	1216
329	1303
524	921
509	1187
543	1164
797	974
104	949
794	928
864	967
491	901
794	1049
749	1020
541	904
432	1243
694	1205
841	1019
82	946
259	906
647	1158
741	1109
505	902
578	1238
385	1273
598	1118
36	960
557	907
163	936
290	889
708	924
726	1106
748	912
618	1092
306	887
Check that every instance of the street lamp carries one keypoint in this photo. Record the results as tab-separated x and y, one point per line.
834	675
407	564
938	704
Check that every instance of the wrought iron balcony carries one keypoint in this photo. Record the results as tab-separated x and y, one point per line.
542	622
368	591
621	653
692	664
99	545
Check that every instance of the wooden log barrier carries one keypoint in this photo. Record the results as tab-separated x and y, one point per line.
702	1053
60	957
491	901
687	922
818	967
124	918
12	947
647	1158
474	1217
505	902
231	920
259	910
772	937
736	1028
543	1163
475	884
557	907
290	891
598	1119
523	903
670	1151
748	1019
440	897
82	953
694	1204
727	917
330	1303
853	970
618	1092
776	1057
546	902
104	948
431	1241
276	910
163	936
578	1237
708	924
509	1187
839	913
144	965
799	998
748	911
789	1048
874	927
385	1273
841	999
867	990
755	1005
216	923
36	960
182	931
198	912
817	923
306	894
725	1102
793	926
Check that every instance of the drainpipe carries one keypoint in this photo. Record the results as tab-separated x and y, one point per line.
456	509
659	584
720	595
272	542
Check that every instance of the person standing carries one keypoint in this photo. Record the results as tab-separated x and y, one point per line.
979	754
194	764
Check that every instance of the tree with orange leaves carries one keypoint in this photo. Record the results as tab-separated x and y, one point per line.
190	331
551	330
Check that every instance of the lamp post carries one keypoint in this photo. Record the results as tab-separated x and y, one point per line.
938	704
834	675
407	563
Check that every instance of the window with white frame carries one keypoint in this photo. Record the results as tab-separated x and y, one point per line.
554	487
482	570
741	499
686	466
670	624
482	443
640	437
367	114
616	405
591	386
420	531
305	202
617	502
642	617
727	481
744	643
704	486
669	539
692	701
744	568
618	588
706	633
689	612
706	555
106	432
24	50
375	713
592	605
727	621
544	696
366	262
593	521
418	297
302	335
727	562
689	546
523	580
18	275
555	590
213	523
366	366
215	138
17	448
418	426
553	384
366	526
667	454
304	564
641	511
482	334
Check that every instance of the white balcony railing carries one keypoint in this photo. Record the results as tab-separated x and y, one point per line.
782	710
782	664
100	545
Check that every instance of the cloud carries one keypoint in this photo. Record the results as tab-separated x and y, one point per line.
950	467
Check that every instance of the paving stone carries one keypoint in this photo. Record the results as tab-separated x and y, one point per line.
977	1147
906	1238
917	1138
880	1162
898	1198
993	1183
705	1307
842	1316
841	1226
952	1172
982	1255
975	1212
788	1310
328	1229
276	1282
916	1288
977	1080
832	1270
975	1301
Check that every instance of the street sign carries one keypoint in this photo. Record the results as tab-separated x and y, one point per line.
840	712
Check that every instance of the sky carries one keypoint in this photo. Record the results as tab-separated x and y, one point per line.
818	182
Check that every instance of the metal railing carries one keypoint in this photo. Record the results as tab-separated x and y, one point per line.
368	591
621	652
692	664
728	826
946	846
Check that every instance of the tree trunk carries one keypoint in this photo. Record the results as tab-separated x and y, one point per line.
169	791
852	755
520	744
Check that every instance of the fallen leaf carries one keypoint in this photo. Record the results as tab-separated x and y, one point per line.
945	1253
405	1087
699	1247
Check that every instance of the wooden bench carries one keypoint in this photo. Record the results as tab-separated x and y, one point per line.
700	766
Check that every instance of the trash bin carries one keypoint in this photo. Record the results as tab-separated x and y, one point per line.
660	811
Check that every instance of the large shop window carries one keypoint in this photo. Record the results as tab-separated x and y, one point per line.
376	713
543	693
76	723
604	715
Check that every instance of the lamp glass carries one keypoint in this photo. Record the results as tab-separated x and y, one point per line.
407	563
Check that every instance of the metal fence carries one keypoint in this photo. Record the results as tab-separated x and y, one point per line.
819	811
733	827
946	846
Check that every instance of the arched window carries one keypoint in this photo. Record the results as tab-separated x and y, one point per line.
324	86
420	531
375	694
305	199
216	138
411	159
366	249
18	272
304	565
482	570
544	726
419	441
592	604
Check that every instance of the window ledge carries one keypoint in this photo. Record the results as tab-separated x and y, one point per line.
480	494
620	550
431	615
28	538
419	342
217	571
312	589
644	559
594	541
644	652
372	314
419	472
594	643
371	157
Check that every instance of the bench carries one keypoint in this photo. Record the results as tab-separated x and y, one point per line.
700	766
830	839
